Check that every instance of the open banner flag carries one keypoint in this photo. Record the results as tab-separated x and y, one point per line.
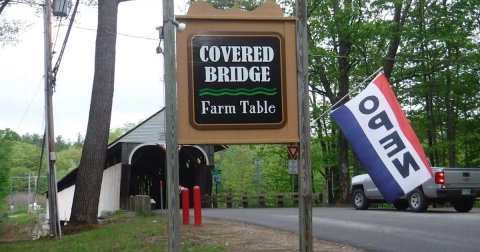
383	140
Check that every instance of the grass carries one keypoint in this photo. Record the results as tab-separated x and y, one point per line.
123	232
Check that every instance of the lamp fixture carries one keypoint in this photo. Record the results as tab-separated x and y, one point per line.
180	27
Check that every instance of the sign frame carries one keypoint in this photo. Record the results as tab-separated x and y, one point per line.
241	118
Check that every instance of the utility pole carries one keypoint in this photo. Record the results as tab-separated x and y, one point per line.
304	166
170	77
29	194
50	148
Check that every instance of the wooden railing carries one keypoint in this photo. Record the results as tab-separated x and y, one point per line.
279	199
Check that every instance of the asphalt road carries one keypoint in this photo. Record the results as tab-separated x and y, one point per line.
374	230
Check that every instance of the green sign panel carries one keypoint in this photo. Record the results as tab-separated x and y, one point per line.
216	176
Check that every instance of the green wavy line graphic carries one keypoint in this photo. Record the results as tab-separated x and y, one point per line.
238	91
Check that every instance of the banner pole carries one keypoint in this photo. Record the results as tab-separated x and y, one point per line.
345	96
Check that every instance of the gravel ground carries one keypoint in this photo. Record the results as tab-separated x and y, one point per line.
237	236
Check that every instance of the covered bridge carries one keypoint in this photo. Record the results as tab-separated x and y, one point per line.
136	165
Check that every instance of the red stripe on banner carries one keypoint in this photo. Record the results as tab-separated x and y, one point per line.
383	85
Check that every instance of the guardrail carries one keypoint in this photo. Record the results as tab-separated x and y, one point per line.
279	199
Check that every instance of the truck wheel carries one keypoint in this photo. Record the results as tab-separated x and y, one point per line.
463	206
400	204
360	201
417	201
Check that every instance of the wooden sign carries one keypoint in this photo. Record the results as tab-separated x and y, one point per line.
236	74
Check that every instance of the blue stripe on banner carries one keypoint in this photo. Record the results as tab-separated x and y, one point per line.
366	154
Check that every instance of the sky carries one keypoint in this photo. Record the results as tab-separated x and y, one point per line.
139	90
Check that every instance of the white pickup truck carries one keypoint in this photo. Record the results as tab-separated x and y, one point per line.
458	186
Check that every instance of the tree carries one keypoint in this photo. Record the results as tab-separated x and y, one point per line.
237	169
7	140
442	79
242	4
10	28
93	160
61	144
80	140
34	139
429	49
67	160
117	132
349	40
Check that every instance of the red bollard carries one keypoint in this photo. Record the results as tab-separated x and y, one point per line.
185	206
197	205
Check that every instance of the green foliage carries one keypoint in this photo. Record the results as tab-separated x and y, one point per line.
236	164
23	155
7	140
34	139
238	171
435	71
437	80
274	169
227	4
67	160
25	160
61	144
118	132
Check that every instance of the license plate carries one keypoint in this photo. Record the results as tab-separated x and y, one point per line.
466	191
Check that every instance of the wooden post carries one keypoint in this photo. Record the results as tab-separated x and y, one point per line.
280	200
146	205
261	201
229	200
170	79
304	165
131	203
138	204
49	132
245	200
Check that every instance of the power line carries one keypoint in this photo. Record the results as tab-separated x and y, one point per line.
59	21
40	163
29	105
64	45
120	34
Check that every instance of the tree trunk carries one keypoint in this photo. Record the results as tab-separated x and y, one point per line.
93	160
450	123
345	46
399	21
344	173
431	120
3	5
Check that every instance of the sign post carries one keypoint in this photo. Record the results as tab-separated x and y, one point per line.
216	178
292	163
305	167
257	163
171	155
292	160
